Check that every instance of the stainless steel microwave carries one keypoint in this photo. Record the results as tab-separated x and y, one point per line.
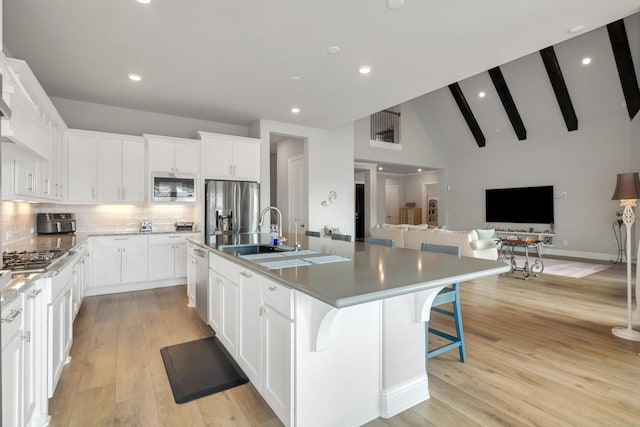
181	189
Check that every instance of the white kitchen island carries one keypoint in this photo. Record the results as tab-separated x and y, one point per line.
340	343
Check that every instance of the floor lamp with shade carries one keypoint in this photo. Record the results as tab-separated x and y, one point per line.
628	191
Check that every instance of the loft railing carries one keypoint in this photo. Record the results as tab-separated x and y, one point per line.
385	126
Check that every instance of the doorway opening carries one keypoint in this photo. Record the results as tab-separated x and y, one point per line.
288	181
360	212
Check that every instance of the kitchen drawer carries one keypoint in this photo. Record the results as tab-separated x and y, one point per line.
278	297
226	269
167	239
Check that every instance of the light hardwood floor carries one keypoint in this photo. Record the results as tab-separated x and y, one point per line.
540	352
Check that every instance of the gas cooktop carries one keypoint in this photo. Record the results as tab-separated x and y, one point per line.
30	261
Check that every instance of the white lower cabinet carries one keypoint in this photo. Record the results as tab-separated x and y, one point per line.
35	401
277	351
254	319
12	363
167	256
250	342
215	302
60	335
119	260
228	333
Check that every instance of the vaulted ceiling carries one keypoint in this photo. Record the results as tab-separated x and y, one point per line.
232	61
587	92
621	53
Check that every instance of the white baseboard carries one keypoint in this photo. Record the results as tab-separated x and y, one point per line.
578	254
131	287
401	397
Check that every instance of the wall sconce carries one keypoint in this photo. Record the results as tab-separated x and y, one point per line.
332	196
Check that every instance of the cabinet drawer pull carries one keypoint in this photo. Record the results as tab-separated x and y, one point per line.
273	288
34	293
26	337
12	316
245	274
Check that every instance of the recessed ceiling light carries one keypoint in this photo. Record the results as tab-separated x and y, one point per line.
295	110
395	4
333	49
586	61
294	78
144	1
365	69
419	169
135	77
576	29
482	94
380	168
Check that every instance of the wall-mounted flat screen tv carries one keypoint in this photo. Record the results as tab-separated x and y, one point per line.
521	205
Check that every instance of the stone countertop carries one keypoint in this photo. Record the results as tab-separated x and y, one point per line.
69	243
374	273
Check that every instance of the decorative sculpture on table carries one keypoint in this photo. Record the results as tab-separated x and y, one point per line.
628	191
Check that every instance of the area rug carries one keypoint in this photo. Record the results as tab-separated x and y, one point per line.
200	368
560	267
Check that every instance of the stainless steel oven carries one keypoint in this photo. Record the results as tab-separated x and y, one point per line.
181	189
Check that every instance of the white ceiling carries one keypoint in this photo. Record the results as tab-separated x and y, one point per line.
231	61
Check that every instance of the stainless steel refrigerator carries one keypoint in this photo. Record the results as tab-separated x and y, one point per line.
231	207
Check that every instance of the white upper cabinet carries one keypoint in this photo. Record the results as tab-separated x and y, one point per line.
121	162
230	157
105	168
82	160
173	155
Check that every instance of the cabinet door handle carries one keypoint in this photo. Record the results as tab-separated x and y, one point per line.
46	186
272	288
93	192
34	293
245	274
26	337
119	191
261	311
30	179
12	316
122	193
61	191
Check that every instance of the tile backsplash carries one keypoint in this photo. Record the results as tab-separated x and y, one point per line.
19	219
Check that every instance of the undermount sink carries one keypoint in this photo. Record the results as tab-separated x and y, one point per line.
255	249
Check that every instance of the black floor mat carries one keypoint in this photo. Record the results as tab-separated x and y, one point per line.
200	368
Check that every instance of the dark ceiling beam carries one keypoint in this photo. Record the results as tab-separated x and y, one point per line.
507	102
626	71
463	105
559	87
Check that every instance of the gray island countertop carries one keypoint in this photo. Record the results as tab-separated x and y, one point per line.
373	273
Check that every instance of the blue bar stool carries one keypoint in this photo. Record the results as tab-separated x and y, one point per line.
384	242
450	294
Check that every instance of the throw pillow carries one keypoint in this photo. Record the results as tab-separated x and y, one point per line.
485	234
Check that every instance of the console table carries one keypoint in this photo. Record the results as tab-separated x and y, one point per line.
507	252
545	239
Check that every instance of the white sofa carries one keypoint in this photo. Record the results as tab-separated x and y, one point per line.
413	236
